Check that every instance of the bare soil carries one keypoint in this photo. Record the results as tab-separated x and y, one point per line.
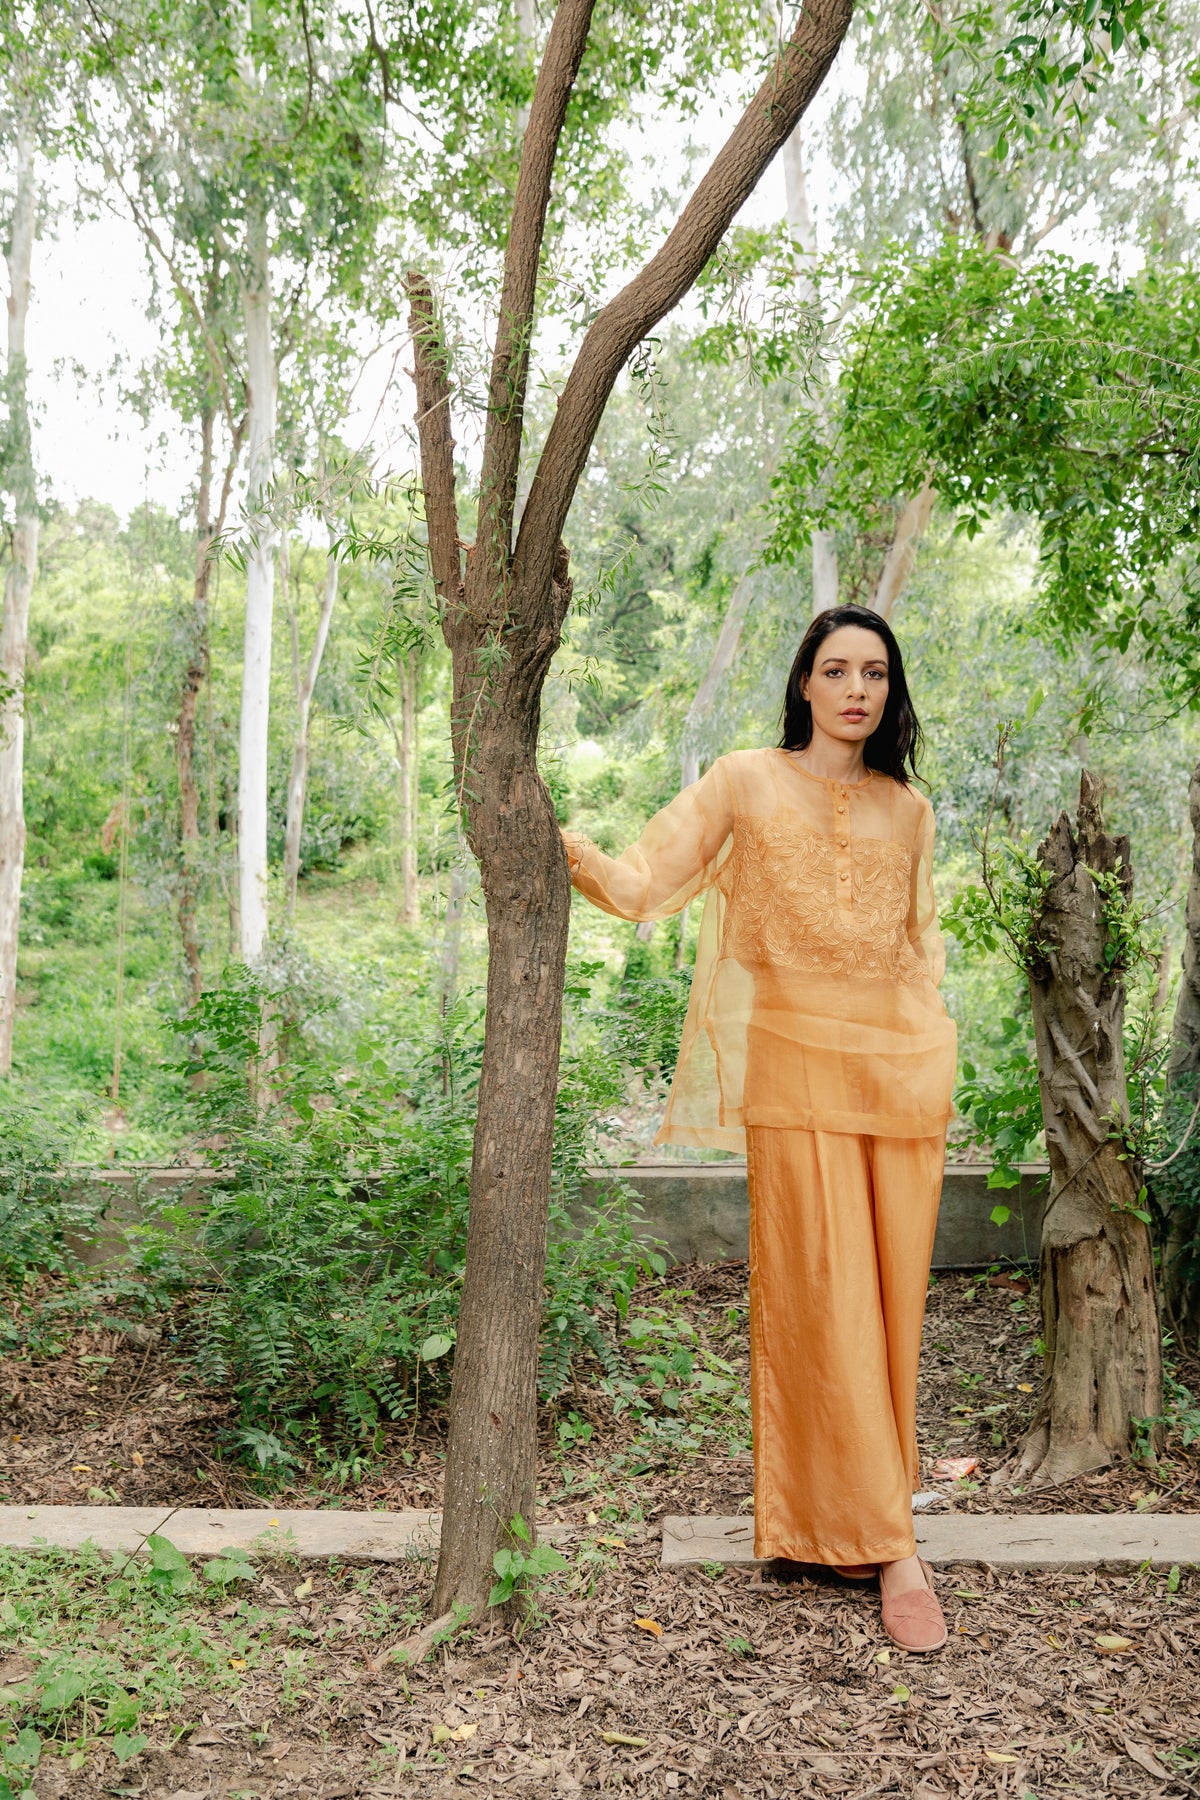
135	1428
753	1691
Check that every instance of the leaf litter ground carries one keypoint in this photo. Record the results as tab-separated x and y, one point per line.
754	1687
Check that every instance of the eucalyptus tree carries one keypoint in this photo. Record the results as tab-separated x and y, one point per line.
248	146
1003	123
28	103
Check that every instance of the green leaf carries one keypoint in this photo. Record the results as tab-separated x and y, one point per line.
224	1570
1173	1579
25	1752
519	1529
544	1559
126	1748
169	1571
63	1691
1000	1215
121	1713
435	1345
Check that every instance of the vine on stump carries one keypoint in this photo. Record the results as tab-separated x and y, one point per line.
1103	1367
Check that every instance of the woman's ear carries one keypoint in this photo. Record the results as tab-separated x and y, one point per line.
804	687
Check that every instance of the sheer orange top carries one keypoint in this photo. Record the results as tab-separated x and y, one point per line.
814	1001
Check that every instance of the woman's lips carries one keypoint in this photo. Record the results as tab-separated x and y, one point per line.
854	712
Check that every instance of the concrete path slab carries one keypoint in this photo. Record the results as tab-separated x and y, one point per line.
196	1531
1005	1540
200	1531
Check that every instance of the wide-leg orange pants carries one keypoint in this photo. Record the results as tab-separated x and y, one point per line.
841	1237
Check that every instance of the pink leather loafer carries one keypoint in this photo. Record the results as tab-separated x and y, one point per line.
914	1621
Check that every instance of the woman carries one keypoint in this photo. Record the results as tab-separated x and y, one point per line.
815	1038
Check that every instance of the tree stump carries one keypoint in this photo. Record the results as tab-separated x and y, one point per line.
1103	1367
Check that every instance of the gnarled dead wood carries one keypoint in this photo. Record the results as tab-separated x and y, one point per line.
1103	1365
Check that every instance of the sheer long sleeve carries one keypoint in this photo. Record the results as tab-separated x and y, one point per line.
924	932
675	858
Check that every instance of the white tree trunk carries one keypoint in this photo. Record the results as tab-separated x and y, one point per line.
527	37
898	564
305	686
800	225
262	385
408	788
18	589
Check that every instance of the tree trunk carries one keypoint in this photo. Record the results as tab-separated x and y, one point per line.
409	788
502	620
1103	1366
902	554
1181	1270
18	590
801	227
305	686
491	1459
185	734
253	743
208	529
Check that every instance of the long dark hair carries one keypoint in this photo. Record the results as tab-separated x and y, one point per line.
895	745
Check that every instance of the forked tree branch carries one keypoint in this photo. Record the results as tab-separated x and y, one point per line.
436	441
522	259
618	328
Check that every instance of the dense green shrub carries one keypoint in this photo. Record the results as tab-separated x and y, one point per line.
326	1265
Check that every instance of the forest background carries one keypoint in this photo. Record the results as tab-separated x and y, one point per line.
280	174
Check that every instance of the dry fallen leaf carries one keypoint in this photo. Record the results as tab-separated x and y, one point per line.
237	1662
1054	1643
1145	1758
138	1460
884	1656
650	1625
1024	1387
614	1543
1111	1645
81	1468
628	1743
1001	1756
304	1590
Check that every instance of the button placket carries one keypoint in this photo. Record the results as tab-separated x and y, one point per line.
842	857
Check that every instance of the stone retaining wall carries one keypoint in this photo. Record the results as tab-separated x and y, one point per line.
699	1210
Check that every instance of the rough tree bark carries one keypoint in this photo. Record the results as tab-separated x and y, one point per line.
1103	1365
1183	1081
18	588
261	393
503	614
304	681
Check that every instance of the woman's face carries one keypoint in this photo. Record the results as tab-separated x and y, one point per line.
848	687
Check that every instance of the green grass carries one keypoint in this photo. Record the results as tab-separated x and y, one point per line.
118	1648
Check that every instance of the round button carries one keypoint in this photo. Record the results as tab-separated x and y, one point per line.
841	843
841	809
844	876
